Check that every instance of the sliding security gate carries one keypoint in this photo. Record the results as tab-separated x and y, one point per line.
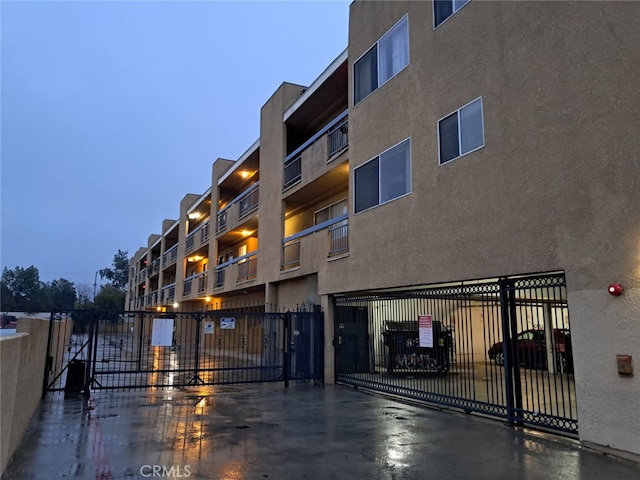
497	347
91	350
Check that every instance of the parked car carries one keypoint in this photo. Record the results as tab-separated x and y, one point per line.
532	349
8	321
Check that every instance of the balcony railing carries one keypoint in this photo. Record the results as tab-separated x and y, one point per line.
238	208
170	256
338	241
292	171
155	266
339	238
140	302
291	254
142	275
201	234
248	202
339	138
195	283
248	268
204	233
222	222
219	278
152	298
337	133
168	293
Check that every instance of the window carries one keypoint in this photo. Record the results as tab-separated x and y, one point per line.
383	178
332	211
443	9
383	61
461	132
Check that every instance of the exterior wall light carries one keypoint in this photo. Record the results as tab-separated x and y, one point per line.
175	305
615	289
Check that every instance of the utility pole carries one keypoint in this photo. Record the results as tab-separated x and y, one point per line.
95	284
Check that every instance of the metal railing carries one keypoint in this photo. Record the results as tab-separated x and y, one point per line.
152	298
248	268
142	275
170	256
191	240
338	138
249	202
168	293
204	233
221	222
200	281
155	266
292	171
291	254
219	278
338	238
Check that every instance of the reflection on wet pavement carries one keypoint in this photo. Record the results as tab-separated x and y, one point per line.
264	431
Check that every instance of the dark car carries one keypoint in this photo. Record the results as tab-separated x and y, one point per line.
532	349
8	321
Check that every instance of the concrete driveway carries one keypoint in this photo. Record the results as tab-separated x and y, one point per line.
260	431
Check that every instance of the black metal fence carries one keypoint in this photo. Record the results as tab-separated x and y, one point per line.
496	347
91	350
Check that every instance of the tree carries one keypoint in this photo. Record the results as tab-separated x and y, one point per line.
7	300
118	273
62	294
23	286
110	298
84	294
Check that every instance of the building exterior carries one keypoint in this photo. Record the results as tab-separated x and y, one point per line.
451	143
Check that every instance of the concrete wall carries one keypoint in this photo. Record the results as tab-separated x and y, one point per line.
556	186
22	362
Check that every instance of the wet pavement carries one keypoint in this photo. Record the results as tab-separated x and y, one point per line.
306	432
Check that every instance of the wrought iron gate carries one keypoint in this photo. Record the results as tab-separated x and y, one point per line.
496	347
91	350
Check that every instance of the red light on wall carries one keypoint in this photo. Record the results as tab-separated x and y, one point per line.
615	289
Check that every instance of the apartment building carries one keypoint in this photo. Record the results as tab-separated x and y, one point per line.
471	164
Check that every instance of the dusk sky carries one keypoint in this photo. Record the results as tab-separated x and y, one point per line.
112	111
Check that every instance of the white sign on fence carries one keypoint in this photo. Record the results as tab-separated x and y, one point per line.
227	323
425	330
208	328
162	333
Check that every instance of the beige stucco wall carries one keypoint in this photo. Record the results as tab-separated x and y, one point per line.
556	186
22	362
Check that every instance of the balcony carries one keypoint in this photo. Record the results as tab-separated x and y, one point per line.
195	284
142	275
308	248
238	270
316	153
221	222
239	211
154	268
152	298
170	256
140	302
197	238
168	293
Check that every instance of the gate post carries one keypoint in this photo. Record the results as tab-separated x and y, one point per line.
196	375
286	350
510	351
48	361
506	349
89	374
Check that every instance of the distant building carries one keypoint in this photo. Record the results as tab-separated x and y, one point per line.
476	163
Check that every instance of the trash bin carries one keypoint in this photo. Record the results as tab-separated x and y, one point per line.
404	353
75	376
